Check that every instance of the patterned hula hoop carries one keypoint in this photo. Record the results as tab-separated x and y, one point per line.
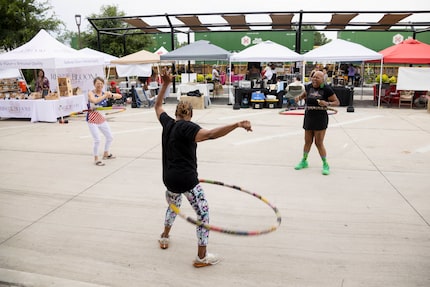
114	109
233	231
301	112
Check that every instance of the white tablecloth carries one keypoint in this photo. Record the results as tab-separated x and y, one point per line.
42	110
203	88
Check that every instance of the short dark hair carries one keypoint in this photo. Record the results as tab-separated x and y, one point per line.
298	77
98	79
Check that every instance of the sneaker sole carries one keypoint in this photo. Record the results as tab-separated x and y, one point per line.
300	167
201	264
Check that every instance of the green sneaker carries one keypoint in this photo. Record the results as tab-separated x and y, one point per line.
326	169
301	165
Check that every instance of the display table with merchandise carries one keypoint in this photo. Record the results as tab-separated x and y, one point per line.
204	89
42	110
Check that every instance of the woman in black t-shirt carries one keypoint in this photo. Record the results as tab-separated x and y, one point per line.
318	97
179	145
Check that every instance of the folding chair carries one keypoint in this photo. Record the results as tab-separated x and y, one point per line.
148	102
406	97
292	92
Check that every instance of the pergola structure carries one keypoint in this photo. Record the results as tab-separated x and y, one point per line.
298	21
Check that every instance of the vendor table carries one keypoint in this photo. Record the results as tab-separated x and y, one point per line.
241	93
42	110
345	95
203	88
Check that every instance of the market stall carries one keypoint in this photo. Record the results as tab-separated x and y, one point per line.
198	51
266	51
42	110
340	50
58	61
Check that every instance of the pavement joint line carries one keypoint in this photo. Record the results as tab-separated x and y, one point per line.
267	138
247	115
124	132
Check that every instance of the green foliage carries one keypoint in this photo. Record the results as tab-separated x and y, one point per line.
319	38
22	20
111	44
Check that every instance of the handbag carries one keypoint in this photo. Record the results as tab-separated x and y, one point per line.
195	93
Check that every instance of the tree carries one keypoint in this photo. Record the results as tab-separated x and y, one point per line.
21	20
320	39
110	44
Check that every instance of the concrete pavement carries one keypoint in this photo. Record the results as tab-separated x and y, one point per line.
66	222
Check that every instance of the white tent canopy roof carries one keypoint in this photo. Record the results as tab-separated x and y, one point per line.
200	51
45	52
340	50
106	57
266	51
161	51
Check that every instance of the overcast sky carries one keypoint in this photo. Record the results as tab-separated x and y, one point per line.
66	10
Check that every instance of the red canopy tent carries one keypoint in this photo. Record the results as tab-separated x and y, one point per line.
409	51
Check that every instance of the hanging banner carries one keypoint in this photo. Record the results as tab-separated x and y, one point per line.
80	77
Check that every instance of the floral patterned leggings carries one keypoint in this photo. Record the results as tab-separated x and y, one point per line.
198	201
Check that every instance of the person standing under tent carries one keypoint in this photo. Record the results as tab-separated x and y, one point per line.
351	75
42	83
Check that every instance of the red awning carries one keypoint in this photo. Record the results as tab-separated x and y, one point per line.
409	51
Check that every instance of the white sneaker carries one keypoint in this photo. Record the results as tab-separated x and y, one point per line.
210	259
164	242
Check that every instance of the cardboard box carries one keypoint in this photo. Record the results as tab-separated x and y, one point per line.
198	103
65	87
271	104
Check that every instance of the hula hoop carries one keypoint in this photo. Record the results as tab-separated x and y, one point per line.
301	112
232	231
118	109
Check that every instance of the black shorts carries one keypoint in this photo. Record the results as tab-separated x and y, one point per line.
315	120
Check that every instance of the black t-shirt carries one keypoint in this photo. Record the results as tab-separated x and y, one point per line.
316	119
314	94
179	154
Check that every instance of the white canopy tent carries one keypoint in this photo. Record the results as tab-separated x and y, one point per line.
340	50
266	51
45	52
107	58
199	51
57	60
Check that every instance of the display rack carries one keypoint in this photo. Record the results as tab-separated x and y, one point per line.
9	88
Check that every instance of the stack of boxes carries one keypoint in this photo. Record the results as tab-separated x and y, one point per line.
65	87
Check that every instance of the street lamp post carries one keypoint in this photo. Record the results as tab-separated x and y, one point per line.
78	23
